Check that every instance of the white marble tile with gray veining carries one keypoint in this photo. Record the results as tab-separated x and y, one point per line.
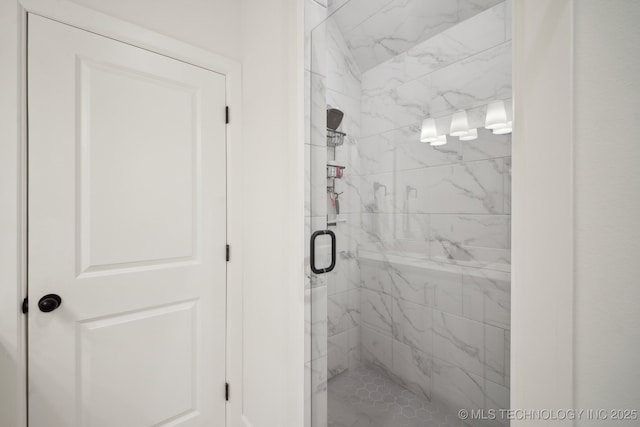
408	284
318	326
346	275
458	188
398	26
372	277
458	232
469	8
497	400
474	187
351	122
460	341
494	351
353	12
410	153
376	349
412	231
474	81
412	368
483	31
376	311
385	108
354	346
487	296
455	387
343	74
333	5
338	354
446	283
338	313
318	111
506	173
318	379
317	181
377	153
378	193
413	325
378	232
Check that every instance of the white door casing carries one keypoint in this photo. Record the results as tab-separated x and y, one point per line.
127	223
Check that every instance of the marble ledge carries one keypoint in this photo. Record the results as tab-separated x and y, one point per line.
437	263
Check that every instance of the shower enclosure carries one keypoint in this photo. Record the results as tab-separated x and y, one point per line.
408	212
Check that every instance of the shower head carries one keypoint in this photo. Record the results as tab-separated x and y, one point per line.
334	118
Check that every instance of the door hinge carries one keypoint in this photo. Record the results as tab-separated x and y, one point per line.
25	305
228	253
226	115
226	391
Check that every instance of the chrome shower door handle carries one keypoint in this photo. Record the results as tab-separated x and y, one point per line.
332	235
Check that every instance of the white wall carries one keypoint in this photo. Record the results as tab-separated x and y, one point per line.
542	208
273	202
607	183
576	234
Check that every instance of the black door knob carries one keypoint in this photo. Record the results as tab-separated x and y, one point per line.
49	302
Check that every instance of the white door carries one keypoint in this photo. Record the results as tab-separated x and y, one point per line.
127	225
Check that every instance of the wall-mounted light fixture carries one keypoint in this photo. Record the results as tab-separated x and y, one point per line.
496	120
470	135
429	132
504	129
440	140
459	124
496	115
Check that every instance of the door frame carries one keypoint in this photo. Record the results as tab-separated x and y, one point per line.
66	12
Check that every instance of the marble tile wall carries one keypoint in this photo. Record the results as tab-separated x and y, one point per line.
422	283
343	91
332	303
377	30
434	245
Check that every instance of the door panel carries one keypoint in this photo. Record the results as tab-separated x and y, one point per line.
127	223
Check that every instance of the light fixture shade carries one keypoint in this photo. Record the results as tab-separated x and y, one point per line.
429	132
459	124
440	140
504	129
470	136
496	115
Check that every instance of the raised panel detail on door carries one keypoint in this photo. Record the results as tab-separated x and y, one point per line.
161	116
115	350
127	224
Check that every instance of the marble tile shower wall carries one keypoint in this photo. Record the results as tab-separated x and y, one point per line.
434	247
422	284
343	91
377	30
332	300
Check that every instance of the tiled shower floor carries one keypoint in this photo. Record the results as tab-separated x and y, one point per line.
364	397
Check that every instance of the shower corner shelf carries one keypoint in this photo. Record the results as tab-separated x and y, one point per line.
335	137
